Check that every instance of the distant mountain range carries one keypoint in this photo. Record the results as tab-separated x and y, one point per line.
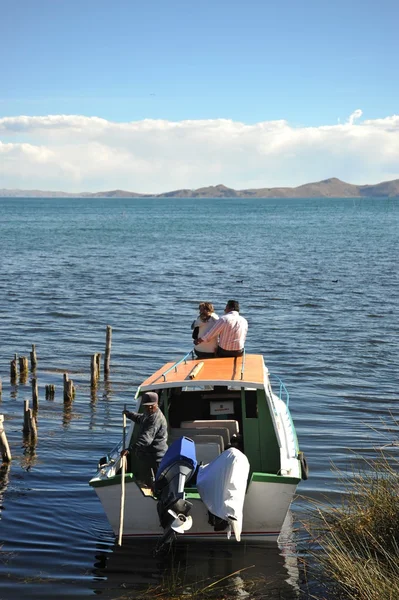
328	188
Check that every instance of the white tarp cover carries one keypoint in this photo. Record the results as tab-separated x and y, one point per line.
222	485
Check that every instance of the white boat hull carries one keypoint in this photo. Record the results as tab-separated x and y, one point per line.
265	508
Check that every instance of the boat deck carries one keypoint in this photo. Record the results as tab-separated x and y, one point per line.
248	370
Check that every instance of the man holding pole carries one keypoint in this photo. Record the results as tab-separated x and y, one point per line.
151	442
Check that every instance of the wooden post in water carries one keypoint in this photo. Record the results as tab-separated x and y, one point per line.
23	365
1	388
29	427
35	394
50	391
26	418
107	356
4	447
33	358
98	362
14	368
32	424
66	379
69	389
23	369
95	369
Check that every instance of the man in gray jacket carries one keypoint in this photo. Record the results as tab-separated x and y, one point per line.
151	441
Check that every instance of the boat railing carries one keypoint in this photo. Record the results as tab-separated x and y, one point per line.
283	393
176	364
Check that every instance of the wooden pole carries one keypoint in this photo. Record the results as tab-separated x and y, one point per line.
98	361
66	379
23	365
14	368
29	427
35	394
123	471
69	391
32	423
4	447
107	356
50	391
33	358
23	369
95	369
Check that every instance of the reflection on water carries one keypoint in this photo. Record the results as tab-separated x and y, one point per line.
4	472
232	570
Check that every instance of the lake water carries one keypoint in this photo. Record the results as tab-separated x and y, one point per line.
318	282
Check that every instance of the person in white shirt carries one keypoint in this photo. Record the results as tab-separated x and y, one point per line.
202	324
232	330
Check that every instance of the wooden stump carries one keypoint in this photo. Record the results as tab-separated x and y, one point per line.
69	389
23	365
35	394
107	356
98	362
4	447
33	358
14	369
95	369
50	392
23	369
30	427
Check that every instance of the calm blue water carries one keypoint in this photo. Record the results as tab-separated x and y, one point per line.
318	282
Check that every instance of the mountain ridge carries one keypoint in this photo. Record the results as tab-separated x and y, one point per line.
327	188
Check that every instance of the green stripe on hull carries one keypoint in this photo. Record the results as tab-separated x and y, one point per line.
117	480
192	492
270	478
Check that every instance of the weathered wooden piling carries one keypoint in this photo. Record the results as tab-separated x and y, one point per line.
29	427
4	447
98	361
50	392
23	365
14	368
35	394
95	369
33	358
69	389
107	356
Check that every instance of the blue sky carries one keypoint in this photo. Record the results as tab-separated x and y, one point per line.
311	64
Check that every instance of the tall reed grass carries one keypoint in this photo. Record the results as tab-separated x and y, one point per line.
356	544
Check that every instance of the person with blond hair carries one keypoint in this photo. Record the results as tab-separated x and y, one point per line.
202	324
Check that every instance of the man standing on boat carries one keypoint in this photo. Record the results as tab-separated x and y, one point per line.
232	330
151	442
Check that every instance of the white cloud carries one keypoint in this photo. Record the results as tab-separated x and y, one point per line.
355	116
77	153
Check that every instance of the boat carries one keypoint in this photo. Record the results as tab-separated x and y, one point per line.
233	463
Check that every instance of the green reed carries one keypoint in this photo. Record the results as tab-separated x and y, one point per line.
356	544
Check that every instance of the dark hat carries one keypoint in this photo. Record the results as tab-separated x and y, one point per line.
149	398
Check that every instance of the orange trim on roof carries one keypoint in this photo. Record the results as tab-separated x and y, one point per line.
214	369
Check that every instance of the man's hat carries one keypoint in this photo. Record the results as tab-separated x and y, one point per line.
149	398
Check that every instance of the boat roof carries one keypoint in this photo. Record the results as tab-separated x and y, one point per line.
248	370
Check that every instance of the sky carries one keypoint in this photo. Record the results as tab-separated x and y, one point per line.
162	95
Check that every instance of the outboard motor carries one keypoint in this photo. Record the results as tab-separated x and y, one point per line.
175	471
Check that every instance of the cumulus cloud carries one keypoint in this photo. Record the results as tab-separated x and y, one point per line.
77	153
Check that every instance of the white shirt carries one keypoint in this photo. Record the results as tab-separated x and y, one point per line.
232	330
204	327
